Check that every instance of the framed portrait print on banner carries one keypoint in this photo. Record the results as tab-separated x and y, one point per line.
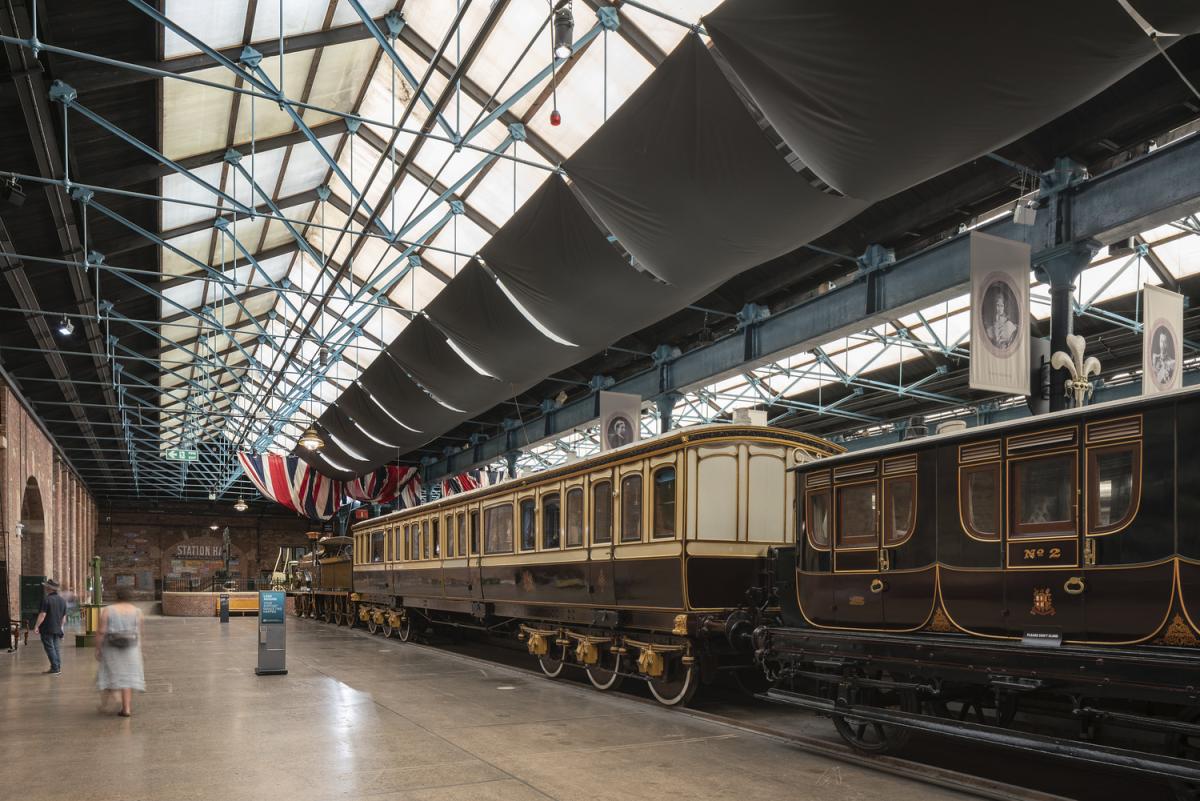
999	314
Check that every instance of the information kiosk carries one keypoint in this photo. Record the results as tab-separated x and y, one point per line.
272	633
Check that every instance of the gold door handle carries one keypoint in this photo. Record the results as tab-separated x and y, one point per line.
1074	586
877	586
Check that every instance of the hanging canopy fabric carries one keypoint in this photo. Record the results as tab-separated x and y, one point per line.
473	312
563	271
425	355
691	186
877	97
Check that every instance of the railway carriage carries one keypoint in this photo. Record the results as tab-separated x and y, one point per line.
1048	566
642	561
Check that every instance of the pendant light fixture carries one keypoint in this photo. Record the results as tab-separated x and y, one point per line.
241	505
564	31
66	327
310	440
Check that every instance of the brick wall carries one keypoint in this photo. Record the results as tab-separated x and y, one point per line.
141	546
56	513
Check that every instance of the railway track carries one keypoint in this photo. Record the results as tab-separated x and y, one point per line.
979	770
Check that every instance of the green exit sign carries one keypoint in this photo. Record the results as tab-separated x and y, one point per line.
182	455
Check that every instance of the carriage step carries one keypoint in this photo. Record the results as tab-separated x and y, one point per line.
1123	758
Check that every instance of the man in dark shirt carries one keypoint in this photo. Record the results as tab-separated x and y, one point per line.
50	621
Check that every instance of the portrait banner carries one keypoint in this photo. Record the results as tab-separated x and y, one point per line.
999	314
620	416
1162	340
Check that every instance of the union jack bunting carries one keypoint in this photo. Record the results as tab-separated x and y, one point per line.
472	479
290	482
384	484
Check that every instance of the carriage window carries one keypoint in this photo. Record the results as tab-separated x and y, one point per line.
858	515
551	522
528	524
816	519
664	503
377	546
498	529
450	536
979	489
407	543
462	534
475	533
1115	483
574	517
602	511
899	513
631	508
1044	493
437	543
424	539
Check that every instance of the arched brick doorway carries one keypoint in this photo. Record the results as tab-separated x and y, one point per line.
35	556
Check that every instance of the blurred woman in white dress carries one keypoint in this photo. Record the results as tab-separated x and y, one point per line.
119	652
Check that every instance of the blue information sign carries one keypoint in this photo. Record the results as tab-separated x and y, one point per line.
271	606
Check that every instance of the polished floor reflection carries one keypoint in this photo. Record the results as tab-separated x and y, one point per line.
362	717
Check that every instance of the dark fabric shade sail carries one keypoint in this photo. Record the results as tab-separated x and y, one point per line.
475	314
688	183
385	424
563	270
877	97
391	386
424	354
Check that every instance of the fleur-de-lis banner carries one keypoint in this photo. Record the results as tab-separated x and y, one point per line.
999	314
1162	340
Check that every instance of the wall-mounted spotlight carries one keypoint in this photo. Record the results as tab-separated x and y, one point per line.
213	526
564	31
11	193
66	327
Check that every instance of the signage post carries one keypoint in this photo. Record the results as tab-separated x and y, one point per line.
224	607
272	631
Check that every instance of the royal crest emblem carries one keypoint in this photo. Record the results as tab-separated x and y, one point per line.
1043	602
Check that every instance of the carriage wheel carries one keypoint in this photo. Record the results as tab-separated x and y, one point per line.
388	631
1185	746
876	738
328	615
606	674
553	666
677	685
372	626
405	630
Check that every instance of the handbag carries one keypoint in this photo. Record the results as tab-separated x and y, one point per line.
120	639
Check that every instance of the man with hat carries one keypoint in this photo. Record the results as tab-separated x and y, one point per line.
49	625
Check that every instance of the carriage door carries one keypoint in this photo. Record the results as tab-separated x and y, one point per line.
858	582
1044	588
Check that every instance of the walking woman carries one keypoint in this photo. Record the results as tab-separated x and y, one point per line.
119	651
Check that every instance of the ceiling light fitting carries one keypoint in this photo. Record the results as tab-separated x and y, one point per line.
241	505
66	327
564	32
310	440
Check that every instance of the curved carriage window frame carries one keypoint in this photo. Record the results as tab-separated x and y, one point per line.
602	534
663	523
491	514
552	533
475	531
573	509
813	542
376	540
1093	489
890	540
964	501
527	524
1052	529
462	534
840	518
631	493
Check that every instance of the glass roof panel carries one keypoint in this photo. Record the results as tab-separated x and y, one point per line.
416	289
195	244
339	78
306	168
194	118
665	33
181	188
266	118
302	16
219	24
345	15
507	184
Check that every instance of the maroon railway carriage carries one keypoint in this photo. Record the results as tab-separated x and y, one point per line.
1049	565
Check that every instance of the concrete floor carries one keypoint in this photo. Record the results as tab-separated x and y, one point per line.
360	717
